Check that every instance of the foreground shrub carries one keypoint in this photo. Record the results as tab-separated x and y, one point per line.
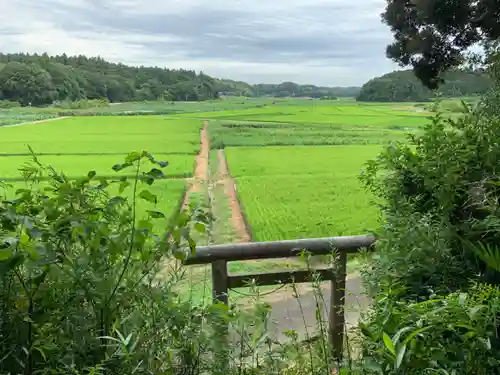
436	273
438	194
89	284
457	334
79	278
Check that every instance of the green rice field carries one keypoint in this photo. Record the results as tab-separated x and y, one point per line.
103	135
300	192
78	145
295	162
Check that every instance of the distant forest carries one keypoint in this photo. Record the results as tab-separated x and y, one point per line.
401	86
287	89
42	79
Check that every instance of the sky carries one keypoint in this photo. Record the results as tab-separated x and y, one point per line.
321	42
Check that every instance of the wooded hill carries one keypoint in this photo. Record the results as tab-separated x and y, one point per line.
401	86
43	79
285	89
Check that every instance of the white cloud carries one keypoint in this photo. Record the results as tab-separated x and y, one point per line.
328	42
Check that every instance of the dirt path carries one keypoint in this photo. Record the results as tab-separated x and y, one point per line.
288	311
35	122
237	219
201	168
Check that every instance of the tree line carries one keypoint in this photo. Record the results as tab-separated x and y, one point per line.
43	79
285	89
34	79
401	86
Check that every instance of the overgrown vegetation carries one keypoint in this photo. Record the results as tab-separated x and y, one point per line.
87	286
78	267
436	272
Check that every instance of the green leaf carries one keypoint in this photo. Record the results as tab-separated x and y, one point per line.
180	255
400	356
145	224
11	263
91	175
39	350
123	186
397	335
148	196
388	344
149	181
103	183
22	191
156	173
200	227
33	254
132	157
192	244
116	201
119	167
162	164
5	254
415	333
156	214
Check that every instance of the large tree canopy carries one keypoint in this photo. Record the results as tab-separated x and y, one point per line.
433	35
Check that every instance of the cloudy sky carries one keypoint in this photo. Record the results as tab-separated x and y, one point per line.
323	42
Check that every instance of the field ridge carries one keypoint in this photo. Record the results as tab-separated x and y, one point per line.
200	177
237	216
35	122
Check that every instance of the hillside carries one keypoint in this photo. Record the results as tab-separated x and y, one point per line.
286	89
400	86
230	87
42	79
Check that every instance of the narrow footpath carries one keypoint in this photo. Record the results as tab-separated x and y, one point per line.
288	311
200	179
237	218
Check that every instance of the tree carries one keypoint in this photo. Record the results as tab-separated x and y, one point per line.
26	83
65	81
434	35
